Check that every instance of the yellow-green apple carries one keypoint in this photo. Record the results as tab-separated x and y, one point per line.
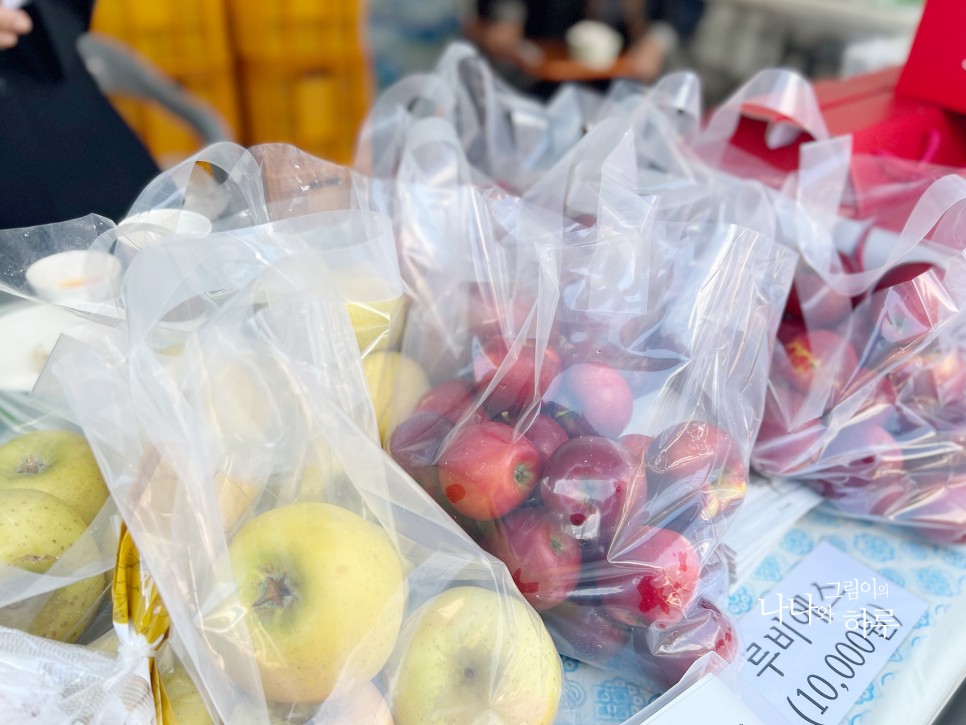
58	462
586	482
36	530
510	376
488	469
321	592
360	704
163	487
396	382
377	325
186	701
653	581
595	394
543	559
471	655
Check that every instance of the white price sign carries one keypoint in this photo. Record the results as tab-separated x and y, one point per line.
814	643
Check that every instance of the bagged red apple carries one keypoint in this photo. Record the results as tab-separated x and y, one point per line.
596	388
306	576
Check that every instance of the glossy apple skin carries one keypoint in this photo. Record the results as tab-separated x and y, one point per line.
415	445
543	559
586	482
861	454
547	435
486	470
704	629
653	582
451	399
808	357
596	393
520	384
692	453
585	632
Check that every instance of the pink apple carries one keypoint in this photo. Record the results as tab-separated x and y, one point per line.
547	435
415	445
816	357
586	482
451	399
598	394
542	558
519	383
861	454
585	632
636	444
704	629
486	470
654	582
693	453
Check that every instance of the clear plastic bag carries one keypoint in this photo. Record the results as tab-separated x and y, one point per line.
596	387
249	434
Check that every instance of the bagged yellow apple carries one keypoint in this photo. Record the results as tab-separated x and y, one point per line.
57	529
305	574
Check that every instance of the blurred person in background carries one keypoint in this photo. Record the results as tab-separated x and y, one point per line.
65	152
652	29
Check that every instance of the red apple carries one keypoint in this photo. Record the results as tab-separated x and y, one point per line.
907	311
636	444
518	381
542	558
905	272
861	454
598	394
415	445
586	482
815	357
704	629
486	470
812	300
654	582
451	399
585	632
547	435
491	313
695	452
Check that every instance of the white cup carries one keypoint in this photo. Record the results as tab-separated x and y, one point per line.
76	276
594	44
136	232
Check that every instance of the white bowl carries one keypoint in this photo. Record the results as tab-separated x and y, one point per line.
594	44
80	275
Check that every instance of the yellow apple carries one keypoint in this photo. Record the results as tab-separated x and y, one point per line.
321	594
396	382
36	529
58	462
361	703
377	325
470	655
234	496
186	702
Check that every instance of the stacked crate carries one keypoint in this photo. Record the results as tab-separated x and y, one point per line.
302	73
188	41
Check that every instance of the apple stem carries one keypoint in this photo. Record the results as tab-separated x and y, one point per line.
31	464
275	591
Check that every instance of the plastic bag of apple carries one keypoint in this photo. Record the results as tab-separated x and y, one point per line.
305	574
596	390
58	529
866	391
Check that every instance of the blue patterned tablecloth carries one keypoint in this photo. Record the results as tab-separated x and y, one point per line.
925	670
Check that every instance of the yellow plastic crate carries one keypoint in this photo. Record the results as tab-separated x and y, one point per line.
169	138
295	30
179	36
317	108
